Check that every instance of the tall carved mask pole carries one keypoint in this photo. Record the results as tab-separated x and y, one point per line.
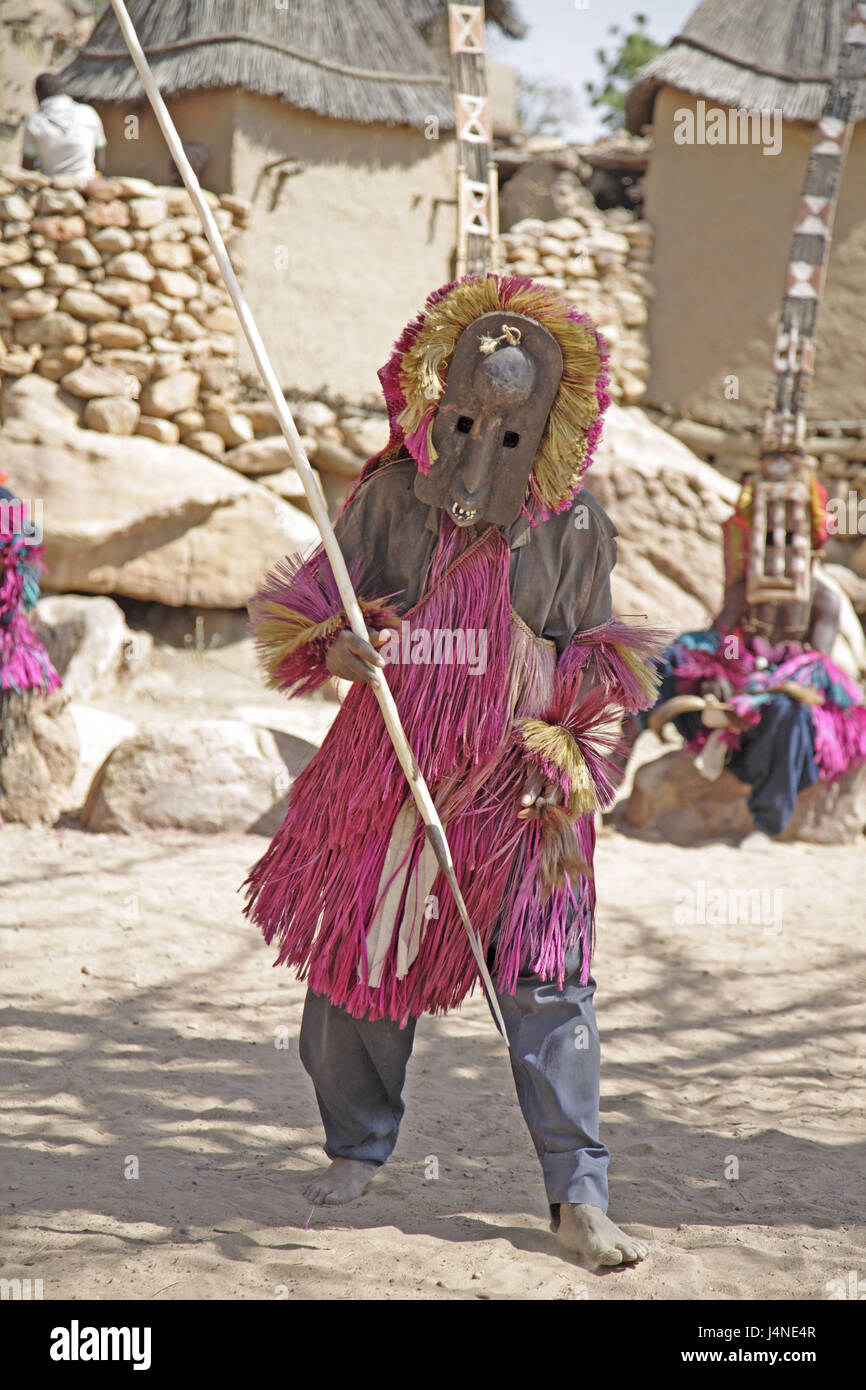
780	556
478	246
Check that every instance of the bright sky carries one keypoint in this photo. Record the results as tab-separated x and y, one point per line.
565	34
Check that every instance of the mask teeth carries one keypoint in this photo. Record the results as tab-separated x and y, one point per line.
461	513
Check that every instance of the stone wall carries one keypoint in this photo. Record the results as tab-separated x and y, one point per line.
115	295
599	261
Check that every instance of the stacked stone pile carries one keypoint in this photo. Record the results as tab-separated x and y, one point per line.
337	444
114	294
600	262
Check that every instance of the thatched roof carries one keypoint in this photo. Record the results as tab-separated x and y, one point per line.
764	55
352	60
499	12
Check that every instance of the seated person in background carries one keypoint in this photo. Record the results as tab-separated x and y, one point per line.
758	692
65	138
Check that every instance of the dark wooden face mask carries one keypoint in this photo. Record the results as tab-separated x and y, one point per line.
500	388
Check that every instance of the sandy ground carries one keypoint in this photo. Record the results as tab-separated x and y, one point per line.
143	1032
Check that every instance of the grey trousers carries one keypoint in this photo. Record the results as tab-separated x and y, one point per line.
358	1068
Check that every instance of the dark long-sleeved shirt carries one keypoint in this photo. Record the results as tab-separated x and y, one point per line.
559	574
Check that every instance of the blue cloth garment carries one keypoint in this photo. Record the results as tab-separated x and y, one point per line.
776	757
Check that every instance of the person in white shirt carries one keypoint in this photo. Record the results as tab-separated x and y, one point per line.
65	138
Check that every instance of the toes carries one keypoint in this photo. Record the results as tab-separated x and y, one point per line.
634	1251
596	1239
610	1257
315	1192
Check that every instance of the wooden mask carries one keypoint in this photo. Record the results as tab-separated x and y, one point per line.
501	385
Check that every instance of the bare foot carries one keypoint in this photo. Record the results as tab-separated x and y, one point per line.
343	1179
587	1232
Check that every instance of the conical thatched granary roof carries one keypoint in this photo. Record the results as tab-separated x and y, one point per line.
352	60
764	55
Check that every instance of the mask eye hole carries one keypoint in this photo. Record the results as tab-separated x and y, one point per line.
464	424
510	439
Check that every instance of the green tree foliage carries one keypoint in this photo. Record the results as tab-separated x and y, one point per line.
619	69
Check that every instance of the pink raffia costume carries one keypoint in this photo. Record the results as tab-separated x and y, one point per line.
504	655
321	883
25	666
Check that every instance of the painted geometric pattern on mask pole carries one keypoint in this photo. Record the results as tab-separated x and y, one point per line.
477	177
794	352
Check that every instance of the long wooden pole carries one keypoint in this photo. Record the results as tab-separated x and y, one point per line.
312	488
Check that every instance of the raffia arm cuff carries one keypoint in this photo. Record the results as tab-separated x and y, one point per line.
282	631
557	753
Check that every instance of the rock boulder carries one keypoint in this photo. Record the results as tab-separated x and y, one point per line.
38	770
672	801
208	776
667	506
149	520
89	642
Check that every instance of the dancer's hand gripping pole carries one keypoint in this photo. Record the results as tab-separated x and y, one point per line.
312	488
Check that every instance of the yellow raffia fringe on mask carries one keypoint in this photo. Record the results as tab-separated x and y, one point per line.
558	464
645	672
556	745
279	631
